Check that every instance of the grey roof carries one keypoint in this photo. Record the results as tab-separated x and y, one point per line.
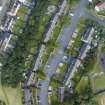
87	33
71	65
3	2
82	49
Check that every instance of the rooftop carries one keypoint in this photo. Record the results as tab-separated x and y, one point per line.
100	6
3	8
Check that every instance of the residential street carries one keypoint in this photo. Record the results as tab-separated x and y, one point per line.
57	58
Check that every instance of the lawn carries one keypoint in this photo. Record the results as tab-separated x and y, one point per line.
11	96
20	22
53	2
98	82
23	10
82	84
18	26
101	99
61	71
73	2
97	76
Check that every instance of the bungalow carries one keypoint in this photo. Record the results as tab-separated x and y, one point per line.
99	7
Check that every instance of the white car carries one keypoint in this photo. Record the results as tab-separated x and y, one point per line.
48	66
71	14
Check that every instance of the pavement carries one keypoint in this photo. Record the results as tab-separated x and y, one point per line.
27	96
102	61
54	60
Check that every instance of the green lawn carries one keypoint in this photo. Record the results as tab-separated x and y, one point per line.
73	2
54	2
97	78
97	75
98	82
61	71
20	22
23	9
18	26
11	96
82	84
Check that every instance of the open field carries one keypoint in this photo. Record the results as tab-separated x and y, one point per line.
82	84
11	96
97	78
101	99
98	82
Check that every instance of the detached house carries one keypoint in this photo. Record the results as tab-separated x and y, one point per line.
99	7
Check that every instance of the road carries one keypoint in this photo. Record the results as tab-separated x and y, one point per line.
54	60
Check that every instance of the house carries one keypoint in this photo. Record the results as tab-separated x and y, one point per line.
3	7
61	93
2	3
87	37
99	7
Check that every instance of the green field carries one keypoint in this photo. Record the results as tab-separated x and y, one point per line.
11	96
82	84
97	77
101	99
98	82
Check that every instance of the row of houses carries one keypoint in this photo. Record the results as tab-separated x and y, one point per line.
100	6
75	62
8	25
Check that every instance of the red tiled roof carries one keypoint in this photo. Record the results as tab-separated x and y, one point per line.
101	5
